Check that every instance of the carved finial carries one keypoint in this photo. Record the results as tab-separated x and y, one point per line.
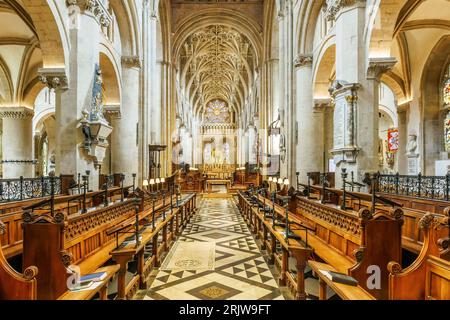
365	214
394	267
426	221
30	273
358	254
397	214
444	243
66	258
59	217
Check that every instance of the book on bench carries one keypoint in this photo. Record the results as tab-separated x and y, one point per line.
340	277
99	276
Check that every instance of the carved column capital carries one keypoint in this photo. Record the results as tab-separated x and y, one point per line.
132	62
17	113
54	78
303	60
95	8
113	111
321	104
331	8
378	66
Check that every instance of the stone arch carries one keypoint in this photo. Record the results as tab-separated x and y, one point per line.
128	24
50	29
431	111
323	68
111	77
306	25
6	83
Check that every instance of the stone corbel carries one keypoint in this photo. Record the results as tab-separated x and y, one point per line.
95	8
378	66
132	62
54	78
321	104
113	111
332	8
303	60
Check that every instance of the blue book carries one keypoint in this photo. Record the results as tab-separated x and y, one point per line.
93	277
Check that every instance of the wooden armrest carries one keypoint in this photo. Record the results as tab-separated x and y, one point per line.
346	292
111	271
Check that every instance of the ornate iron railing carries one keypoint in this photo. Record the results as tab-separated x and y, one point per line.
429	187
28	188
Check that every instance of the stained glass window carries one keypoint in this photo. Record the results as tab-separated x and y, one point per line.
217	111
446	93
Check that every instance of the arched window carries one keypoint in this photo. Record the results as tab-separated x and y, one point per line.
446	101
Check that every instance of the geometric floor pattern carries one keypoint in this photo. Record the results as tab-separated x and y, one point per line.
240	271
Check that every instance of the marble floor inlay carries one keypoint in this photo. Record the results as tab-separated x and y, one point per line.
240	271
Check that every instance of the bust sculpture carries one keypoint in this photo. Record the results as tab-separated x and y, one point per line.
412	144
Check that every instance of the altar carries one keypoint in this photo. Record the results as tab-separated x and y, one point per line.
211	183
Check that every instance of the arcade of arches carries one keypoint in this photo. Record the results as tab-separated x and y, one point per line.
282	88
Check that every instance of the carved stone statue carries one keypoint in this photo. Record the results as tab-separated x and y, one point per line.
412	144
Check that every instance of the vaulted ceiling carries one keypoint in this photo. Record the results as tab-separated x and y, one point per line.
217	62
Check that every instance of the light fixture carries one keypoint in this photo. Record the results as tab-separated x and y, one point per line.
280	181
286	182
152	182
145	183
163	180
158	181
270	179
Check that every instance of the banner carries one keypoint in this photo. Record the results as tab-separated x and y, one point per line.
393	140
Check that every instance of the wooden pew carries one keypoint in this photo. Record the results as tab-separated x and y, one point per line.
412	236
168	219
428	277
364	238
13	285
53	243
68	205
351	241
270	236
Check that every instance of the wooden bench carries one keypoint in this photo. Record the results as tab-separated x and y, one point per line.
351	241
12	218
289	247
166	227
346	292
428	277
13	285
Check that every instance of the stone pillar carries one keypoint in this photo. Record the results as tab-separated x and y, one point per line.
355	92
251	144
402	160
17	142
125	152
86	19
310	122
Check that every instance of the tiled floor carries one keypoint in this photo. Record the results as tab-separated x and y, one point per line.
240	270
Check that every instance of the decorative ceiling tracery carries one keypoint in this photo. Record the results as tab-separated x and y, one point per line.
217	62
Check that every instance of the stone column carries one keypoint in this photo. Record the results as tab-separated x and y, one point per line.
17	142
402	159
86	19
125	152
310	122
251	144
355	92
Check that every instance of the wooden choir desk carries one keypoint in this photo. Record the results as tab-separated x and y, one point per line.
55	242
217	182
161	237
11	214
350	241
264	229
